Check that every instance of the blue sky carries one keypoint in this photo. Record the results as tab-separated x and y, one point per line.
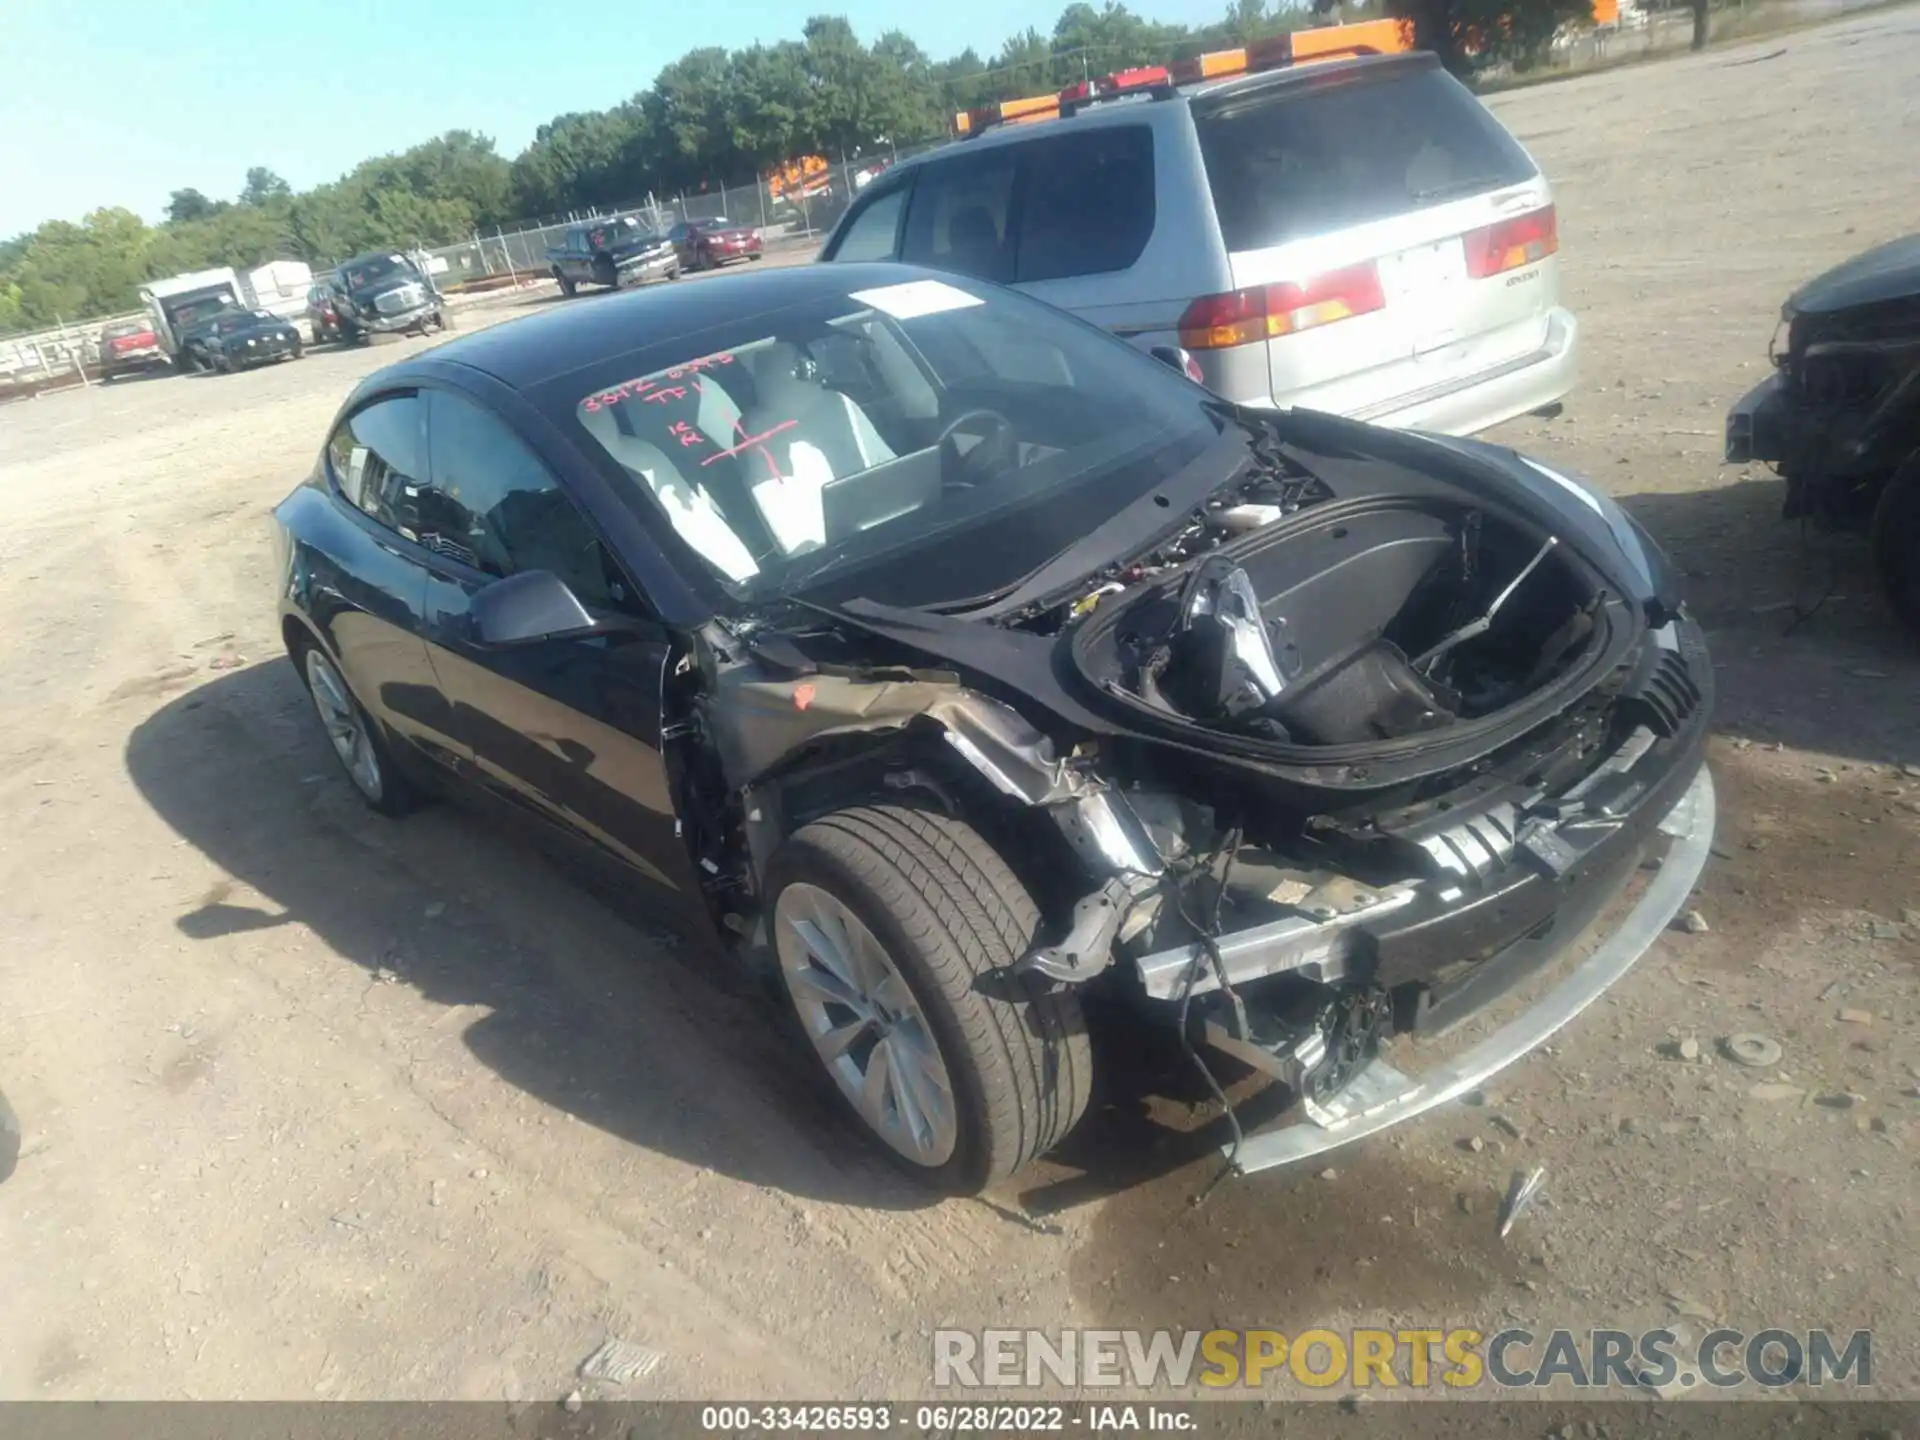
119	102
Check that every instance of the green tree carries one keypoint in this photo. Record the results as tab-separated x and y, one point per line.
190	205
263	187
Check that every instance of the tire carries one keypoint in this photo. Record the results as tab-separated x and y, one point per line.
948	916
566	286
1895	537
380	784
299	351
9	1139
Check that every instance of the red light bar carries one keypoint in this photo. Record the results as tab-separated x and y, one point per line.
1138	78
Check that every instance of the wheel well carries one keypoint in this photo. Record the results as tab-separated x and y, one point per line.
295	634
915	767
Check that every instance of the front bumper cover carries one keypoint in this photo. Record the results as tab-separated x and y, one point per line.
1757	424
1380	1096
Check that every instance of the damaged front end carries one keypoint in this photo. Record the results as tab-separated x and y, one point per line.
1353	749
1841	410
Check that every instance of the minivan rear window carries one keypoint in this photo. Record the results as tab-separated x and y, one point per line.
1311	158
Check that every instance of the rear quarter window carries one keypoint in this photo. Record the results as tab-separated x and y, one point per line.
1088	202
959	217
1311	158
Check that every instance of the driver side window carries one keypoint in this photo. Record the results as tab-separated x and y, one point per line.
494	505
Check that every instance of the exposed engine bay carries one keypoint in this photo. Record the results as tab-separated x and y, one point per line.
1362	623
1365	742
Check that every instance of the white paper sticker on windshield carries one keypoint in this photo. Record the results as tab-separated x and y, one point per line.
915	298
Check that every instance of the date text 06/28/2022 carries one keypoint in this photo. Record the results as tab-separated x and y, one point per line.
948	1419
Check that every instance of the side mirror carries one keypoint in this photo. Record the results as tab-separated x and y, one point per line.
1176	358
533	605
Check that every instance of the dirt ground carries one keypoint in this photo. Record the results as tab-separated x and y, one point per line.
317	1105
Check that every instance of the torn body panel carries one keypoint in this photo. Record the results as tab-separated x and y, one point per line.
1841	412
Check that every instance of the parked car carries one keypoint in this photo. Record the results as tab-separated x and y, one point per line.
130	346
1839	417
242	338
194	327
323	313
1358	236
616	253
948	661
385	294
708	244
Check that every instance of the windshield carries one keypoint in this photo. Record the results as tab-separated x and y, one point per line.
362	273
196	308
954	437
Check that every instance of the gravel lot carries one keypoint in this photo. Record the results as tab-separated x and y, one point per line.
321	1106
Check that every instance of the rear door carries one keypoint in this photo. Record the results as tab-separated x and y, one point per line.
1410	235
565	730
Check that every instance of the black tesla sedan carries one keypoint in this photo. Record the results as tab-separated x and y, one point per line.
946	659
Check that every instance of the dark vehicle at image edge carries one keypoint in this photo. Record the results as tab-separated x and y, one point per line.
946	659
1839	417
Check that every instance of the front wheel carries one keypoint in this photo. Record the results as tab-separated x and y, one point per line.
355	738
1895	538
895	931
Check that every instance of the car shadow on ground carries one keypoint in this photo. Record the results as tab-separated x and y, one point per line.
1806	651
588	1007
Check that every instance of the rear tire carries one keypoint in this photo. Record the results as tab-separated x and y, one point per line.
947	918
566	285
1895	538
354	736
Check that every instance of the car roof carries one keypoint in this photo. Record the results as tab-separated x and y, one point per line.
563	338
1203	95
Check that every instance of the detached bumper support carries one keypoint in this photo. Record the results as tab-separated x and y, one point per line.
1381	1096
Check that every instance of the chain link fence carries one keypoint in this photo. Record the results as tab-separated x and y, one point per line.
788	214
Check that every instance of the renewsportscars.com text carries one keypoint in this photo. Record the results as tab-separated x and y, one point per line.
1454	1359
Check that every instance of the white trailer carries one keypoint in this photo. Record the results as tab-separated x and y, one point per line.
179	300
279	287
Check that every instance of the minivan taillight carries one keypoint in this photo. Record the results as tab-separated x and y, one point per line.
1266	312
1523	240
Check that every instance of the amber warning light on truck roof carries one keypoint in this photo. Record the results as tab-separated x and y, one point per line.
1329	42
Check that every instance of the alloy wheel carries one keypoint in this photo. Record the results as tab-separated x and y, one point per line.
865	1024
346	726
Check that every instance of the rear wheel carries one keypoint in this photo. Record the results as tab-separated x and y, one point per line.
895	930
566	285
1896	541
356	740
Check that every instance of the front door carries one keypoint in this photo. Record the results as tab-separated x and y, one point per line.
567	730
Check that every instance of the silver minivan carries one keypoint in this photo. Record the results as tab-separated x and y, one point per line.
1358	236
